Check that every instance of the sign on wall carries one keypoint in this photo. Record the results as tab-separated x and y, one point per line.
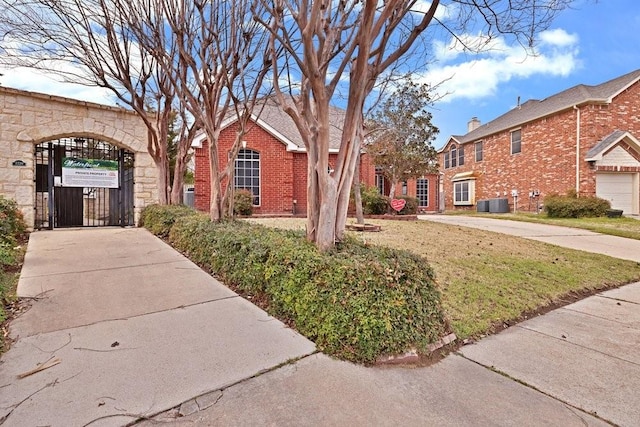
89	173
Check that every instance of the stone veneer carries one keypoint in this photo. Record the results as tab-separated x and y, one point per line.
28	119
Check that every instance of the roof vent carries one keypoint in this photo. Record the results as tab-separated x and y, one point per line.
473	124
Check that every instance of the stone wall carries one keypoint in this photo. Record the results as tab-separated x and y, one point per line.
28	119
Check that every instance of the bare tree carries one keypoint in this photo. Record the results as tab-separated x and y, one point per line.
216	69
349	44
96	38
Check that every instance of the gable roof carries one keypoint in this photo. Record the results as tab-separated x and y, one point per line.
535	109
602	147
270	117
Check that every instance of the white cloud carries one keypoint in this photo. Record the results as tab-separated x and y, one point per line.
39	81
476	76
558	37
442	12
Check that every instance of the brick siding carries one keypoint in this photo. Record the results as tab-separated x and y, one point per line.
283	174
547	161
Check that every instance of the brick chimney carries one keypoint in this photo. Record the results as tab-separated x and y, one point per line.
473	124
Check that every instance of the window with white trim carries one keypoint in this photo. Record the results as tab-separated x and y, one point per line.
464	192
404	188
516	141
422	192
247	173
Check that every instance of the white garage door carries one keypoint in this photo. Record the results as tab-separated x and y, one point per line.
620	189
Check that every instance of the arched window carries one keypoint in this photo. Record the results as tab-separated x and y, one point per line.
454	157
247	173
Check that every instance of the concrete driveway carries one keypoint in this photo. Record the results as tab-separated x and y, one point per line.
136	327
584	240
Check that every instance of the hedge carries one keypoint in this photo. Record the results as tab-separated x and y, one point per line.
12	231
575	207
159	219
356	302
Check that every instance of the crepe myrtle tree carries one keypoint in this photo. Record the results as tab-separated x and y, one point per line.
216	70
322	47
401	134
92	42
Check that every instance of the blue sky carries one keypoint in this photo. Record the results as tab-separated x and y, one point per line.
590	43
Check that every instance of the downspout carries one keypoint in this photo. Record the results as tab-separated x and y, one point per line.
575	107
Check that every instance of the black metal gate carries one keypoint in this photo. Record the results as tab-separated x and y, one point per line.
83	182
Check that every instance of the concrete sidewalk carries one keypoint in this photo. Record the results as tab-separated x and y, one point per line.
578	365
584	240
138	329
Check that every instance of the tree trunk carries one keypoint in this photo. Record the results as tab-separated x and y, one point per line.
392	189
177	190
322	196
357	195
177	186
216	211
163	170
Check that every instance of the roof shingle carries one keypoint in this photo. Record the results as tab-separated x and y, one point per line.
274	116
534	109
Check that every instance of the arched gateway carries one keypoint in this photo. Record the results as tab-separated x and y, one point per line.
70	163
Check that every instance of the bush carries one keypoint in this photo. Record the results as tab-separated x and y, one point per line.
12	226
575	207
243	203
356	302
373	203
159	219
411	207
12	230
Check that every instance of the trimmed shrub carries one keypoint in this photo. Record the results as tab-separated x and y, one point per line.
12	225
575	207
243	203
374	203
411	207
12	231
356	302
12	228
159	219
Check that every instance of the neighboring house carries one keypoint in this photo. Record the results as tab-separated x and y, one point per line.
584	139
273	165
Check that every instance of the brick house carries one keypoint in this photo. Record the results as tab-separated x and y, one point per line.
273	166
583	139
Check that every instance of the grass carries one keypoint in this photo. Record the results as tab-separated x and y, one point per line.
9	276
488	279
622	227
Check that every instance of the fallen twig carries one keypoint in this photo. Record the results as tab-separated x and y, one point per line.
103	351
8	414
56	349
46	365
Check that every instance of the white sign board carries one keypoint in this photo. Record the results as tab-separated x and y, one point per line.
89	173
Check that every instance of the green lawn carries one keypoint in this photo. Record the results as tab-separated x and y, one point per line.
487	279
